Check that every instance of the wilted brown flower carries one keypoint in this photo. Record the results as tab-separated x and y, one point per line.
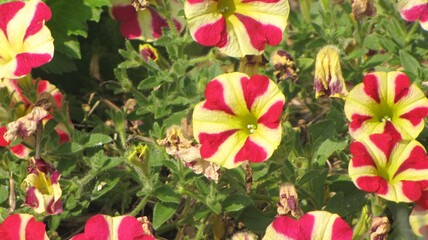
284	65
289	201
363	8
379	228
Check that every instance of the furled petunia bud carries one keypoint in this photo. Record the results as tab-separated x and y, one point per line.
363	8
148	52
42	187
380	228
284	65
328	79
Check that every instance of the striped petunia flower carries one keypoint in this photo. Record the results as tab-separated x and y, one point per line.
142	20
42	188
413	10
386	100
390	168
25	41
22	226
239	120
316	225
237	27
103	227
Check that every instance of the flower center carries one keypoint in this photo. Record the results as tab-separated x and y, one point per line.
385	113
252	128
226	7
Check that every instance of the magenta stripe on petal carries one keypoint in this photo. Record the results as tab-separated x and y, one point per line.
157	23
97	228
129	21
42	86
358	120
54	207
269	34
415	12
361	157
271	118
371	87
214	94
211	142
341	230
416	115
254	87
26	61
383	142
10	228
306	226
213	34
42	14
265	1
8	11
129	228
251	152
35	230
417	160
195	1
286	226
3	142
412	190
19	150
372	184
402	87
31	198
392	131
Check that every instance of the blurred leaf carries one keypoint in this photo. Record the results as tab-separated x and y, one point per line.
166	194
234	203
326	149
162	212
4	193
410	64
96	139
103	186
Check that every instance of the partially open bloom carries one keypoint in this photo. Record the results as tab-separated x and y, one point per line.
148	52
237	27
419	216
239	120
316	225
413	10
182	148
103	227
145	22
42	187
25	41
328	79
386	100
390	168
22	226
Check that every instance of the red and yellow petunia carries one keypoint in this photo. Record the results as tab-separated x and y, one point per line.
103	227
22	226
386	100
237	27
25	41
316	225
145	22
390	168
42	188
239	120
413	10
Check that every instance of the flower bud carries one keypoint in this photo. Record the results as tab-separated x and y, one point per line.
328	79
148	52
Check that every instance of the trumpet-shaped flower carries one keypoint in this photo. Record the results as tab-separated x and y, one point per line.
328	79
239	120
412	10
22	226
316	225
390	168
42	187
148	52
386	100
237	27
103	227
25	41
145	22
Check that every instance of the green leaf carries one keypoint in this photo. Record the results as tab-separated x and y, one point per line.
69	148
234	203
4	193
104	186
166	194
162	212
101	162
375	60
96	139
326	149
255	220
410	64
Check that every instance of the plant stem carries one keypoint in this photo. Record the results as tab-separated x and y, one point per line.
140	206
39	132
